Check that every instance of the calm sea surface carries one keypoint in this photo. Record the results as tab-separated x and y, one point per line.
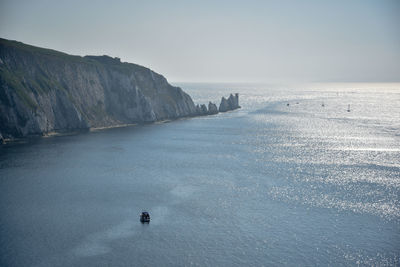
269	184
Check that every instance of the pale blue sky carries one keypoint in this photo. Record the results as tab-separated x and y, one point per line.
227	41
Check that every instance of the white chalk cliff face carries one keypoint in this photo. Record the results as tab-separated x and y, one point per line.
43	90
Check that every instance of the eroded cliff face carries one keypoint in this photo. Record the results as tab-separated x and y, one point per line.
43	90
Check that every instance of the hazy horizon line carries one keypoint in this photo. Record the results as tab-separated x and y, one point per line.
271	81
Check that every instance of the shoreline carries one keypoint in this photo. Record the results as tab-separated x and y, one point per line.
96	129
25	139
20	140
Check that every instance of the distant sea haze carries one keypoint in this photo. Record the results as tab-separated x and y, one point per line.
270	184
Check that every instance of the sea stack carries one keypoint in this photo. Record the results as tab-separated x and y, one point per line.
212	109
231	103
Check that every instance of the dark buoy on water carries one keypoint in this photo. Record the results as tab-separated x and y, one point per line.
287	104
144	217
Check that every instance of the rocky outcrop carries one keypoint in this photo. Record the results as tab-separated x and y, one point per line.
201	110
212	109
231	103
43	91
224	106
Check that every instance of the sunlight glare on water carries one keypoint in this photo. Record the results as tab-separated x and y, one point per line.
307	183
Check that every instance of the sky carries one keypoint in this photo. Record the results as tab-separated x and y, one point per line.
222	41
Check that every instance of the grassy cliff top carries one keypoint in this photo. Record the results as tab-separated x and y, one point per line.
50	53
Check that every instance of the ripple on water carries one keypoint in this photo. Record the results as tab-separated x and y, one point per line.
100	243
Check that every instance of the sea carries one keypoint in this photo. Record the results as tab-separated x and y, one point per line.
301	175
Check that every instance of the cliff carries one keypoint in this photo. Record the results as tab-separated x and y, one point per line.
43	90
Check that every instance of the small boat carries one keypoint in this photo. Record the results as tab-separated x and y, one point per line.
144	217
348	108
323	105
